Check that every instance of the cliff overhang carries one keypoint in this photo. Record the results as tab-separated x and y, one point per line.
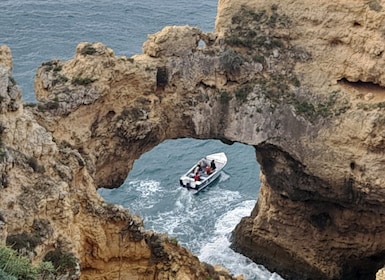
300	82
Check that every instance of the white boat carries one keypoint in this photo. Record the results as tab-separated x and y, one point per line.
198	177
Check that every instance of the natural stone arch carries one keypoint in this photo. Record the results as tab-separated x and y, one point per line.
270	78
204	99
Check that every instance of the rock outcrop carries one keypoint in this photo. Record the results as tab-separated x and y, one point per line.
301	82
50	209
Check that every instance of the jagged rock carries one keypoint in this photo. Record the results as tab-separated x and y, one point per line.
49	177
10	93
172	41
301	82
6	57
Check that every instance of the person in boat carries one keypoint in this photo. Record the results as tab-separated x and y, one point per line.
212	165
204	164
208	169
197	177
200	166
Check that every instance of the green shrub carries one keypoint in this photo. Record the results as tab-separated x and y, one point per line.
294	80
375	5
88	50
57	68
6	276
173	241
22	241
81	81
63	262
246	14
13	267
231	61
259	58
225	97
50	105
242	92
305	108
59	79
30	104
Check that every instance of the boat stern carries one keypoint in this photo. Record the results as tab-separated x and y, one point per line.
188	183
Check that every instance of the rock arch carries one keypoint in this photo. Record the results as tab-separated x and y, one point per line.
266	78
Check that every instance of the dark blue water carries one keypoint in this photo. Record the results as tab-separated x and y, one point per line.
41	30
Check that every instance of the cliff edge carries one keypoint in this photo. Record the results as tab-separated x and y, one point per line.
50	210
301	82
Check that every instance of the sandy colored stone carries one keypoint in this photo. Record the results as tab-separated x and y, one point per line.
6	57
300	81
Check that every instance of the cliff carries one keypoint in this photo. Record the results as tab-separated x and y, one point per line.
301	82
50	209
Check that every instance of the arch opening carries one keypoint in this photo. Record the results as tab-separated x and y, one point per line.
202	222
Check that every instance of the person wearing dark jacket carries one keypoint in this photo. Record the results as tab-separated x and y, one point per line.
212	164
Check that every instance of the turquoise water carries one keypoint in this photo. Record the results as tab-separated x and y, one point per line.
41	30
202	222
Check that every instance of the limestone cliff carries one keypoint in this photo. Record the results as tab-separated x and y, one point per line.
300	81
49	207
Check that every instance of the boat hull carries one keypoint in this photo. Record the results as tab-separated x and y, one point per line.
189	182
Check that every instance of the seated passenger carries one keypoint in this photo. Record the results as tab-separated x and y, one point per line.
196	177
208	170
203	163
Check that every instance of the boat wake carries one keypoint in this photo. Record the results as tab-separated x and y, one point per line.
203	221
217	250
224	177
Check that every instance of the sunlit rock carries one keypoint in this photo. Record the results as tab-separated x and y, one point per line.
301	82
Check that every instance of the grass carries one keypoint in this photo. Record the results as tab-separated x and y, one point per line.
253	39
13	267
250	32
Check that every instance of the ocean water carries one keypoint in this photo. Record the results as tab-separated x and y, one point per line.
38	31
41	30
201	222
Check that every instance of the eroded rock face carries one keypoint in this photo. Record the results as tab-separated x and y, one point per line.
301	82
50	170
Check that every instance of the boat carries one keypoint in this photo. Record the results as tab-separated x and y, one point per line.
198	177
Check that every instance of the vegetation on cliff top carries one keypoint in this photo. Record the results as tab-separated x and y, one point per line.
259	37
13	267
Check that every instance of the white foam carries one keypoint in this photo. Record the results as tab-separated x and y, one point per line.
218	251
145	187
207	218
227	222
224	177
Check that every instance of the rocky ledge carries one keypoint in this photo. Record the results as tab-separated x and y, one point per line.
303	83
